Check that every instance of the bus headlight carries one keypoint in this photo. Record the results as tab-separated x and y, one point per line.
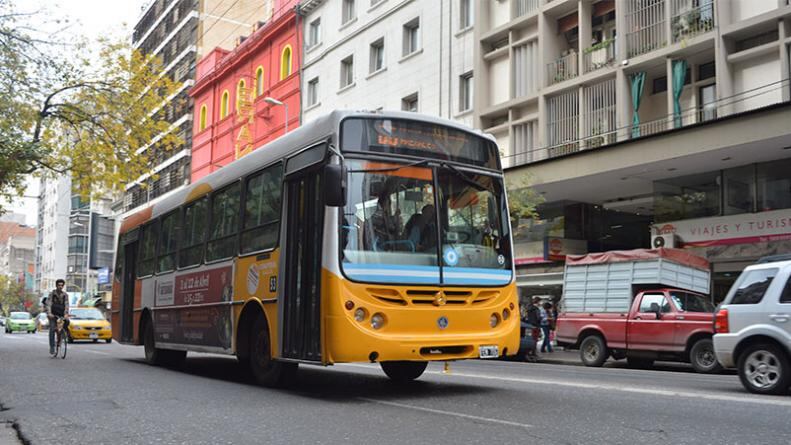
494	320
360	314
377	321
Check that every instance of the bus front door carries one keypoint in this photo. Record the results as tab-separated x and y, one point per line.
300	306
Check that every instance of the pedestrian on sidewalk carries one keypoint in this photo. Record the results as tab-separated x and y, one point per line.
534	321
545	322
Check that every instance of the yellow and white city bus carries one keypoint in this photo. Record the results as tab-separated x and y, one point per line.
359	237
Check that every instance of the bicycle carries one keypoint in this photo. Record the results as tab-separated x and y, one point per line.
60	339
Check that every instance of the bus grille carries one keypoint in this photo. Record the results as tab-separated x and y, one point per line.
435	297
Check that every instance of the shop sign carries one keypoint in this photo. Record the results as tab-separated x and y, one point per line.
733	229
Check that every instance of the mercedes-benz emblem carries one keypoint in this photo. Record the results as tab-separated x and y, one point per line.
442	322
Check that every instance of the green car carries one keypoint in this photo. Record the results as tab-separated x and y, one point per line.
20	321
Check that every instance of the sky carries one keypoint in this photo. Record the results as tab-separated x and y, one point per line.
89	18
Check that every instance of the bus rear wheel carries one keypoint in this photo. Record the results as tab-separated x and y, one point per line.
402	371
266	370
157	356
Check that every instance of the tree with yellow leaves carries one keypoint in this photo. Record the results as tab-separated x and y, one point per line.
87	116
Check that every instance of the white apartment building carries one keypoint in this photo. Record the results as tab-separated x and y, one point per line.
414	55
52	235
642	123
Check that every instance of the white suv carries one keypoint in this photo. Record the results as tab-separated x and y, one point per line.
753	326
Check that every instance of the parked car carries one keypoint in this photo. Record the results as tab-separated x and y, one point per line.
20	322
753	326
42	321
88	323
2	321
642	305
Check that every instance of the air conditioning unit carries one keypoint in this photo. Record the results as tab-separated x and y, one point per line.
664	240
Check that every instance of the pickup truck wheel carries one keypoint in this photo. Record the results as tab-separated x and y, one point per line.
702	357
764	369
593	351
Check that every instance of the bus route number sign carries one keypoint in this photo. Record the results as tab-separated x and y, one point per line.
488	351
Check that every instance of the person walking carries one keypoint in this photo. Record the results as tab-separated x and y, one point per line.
534	321
545	323
57	305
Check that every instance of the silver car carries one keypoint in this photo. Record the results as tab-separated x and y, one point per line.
753	326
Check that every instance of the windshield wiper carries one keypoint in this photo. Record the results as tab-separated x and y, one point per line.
463	176
390	169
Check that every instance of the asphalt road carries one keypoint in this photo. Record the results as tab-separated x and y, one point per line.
105	393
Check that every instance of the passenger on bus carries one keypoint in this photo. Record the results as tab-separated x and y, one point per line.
385	227
421	229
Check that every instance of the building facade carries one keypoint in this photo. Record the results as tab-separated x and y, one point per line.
250	95
52	231
17	253
414	55
180	32
641	123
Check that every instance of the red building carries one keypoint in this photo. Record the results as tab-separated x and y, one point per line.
237	94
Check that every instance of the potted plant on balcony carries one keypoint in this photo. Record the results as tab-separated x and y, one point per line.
598	54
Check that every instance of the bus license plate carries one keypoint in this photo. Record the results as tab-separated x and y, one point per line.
488	351
93	335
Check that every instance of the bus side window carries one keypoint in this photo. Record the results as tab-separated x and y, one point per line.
224	223
167	242
194	233
262	203
147	252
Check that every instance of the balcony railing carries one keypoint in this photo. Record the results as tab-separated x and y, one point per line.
564	68
524	7
598	56
563	140
647	25
688	22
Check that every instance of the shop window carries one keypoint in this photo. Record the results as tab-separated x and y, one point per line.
739	190
686	197
774	185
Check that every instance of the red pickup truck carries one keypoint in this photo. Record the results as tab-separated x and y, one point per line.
609	309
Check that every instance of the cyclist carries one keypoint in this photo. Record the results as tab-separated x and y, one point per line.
57	304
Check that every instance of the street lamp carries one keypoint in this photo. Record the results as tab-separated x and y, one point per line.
273	101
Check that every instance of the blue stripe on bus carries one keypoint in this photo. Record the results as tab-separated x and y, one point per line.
396	273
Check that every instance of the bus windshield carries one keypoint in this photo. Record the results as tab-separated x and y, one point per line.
412	223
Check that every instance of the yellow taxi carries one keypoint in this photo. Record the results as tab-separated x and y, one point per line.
88	323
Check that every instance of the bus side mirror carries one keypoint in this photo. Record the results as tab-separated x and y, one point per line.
335	185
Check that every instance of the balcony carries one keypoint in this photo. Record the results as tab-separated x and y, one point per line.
598	56
689	20
646	20
563	68
525	7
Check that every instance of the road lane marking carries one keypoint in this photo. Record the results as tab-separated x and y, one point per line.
745	398
96	352
447	413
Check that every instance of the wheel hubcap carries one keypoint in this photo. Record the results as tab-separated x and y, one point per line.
591	352
762	369
706	358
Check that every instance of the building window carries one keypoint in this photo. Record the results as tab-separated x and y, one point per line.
313	92
347	71
240	94
259	81
409	103
224	105
708	102
377	55
285	62
465	14
202	121
706	71
465	91
774	185
314	33
348	13
411	36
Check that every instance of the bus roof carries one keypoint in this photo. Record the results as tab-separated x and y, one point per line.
316	130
